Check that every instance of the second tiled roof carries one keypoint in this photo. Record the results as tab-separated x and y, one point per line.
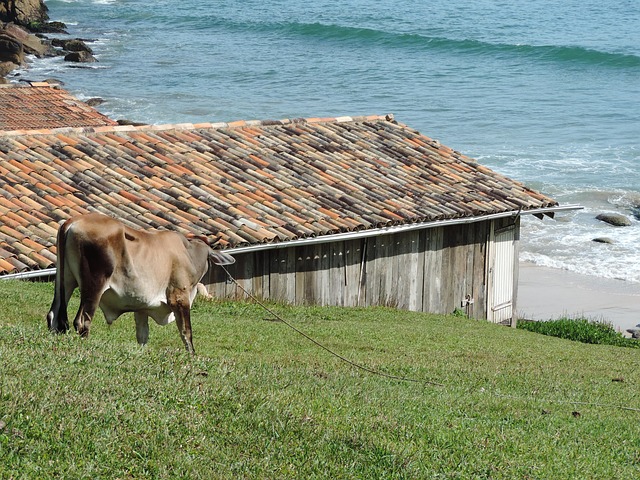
41	105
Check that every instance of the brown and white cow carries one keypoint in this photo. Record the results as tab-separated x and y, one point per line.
120	269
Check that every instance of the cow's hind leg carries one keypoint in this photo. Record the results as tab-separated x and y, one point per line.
142	327
57	319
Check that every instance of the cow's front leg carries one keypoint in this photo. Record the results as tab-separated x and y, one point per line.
142	327
183	321
57	319
180	304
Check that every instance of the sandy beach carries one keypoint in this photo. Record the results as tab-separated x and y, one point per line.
547	293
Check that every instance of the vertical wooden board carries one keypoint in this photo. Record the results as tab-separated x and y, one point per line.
420	273
479	310
290	275
433	276
396	277
406	270
389	265
449	280
461	250
490	266
303	267
458	279
372	285
313	287
257	279
470	236
266	274
336	292
516	273
277	277
470	241
363	292
353	251
308	284
324	293
282	275
384	270
377	246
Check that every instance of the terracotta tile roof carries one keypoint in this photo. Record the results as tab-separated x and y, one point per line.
239	184
42	105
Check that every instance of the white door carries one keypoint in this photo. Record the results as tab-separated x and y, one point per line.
501	274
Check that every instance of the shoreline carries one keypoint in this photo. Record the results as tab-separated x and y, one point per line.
548	293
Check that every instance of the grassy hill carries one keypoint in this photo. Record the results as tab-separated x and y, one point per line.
260	401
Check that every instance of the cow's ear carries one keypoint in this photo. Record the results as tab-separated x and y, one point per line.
221	258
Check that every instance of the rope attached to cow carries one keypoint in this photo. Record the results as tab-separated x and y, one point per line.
324	347
401	378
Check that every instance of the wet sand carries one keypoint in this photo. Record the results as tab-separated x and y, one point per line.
549	293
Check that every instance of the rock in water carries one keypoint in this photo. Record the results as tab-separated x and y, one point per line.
635	332
602	240
81	57
615	219
72	45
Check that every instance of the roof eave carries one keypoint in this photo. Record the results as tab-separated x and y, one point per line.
337	237
538	212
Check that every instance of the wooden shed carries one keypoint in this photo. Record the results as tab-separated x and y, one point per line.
338	211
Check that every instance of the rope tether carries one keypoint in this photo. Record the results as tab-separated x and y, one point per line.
327	349
406	379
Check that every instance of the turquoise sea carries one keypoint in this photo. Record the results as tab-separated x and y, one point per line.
547	92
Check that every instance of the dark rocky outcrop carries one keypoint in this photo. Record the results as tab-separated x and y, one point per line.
48	27
23	12
11	49
31	44
20	20
615	219
16	37
16	43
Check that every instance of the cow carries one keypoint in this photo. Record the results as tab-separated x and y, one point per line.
120	269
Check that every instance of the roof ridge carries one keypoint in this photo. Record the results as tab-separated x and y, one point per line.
193	126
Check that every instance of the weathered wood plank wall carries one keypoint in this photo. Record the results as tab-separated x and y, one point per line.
430	270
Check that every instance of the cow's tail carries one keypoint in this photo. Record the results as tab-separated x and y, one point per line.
57	319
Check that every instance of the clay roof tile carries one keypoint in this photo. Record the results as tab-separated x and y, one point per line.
241	183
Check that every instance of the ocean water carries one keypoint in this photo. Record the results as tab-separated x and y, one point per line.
547	92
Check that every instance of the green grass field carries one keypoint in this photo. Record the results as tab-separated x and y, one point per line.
260	401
